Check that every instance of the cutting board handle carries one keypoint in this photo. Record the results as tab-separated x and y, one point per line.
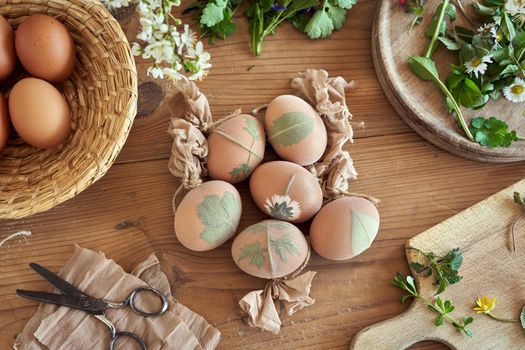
396	333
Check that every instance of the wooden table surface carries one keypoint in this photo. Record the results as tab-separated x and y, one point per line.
128	213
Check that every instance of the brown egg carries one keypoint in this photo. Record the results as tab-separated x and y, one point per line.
208	215
344	228
295	130
286	191
4	123
270	249
45	48
39	113
236	148
7	49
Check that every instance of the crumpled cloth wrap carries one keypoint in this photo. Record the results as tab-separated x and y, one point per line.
62	328
261	307
198	110
188	153
327	95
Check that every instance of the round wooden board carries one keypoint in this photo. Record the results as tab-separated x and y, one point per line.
420	104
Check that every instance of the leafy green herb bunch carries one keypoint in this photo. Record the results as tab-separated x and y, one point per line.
316	18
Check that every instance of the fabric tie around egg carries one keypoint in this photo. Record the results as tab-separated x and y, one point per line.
275	250
236	143
286	191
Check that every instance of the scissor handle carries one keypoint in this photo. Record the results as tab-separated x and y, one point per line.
119	335
132	297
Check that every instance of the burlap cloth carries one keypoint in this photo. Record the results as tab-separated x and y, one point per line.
61	328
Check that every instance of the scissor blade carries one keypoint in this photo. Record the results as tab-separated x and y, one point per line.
87	304
56	281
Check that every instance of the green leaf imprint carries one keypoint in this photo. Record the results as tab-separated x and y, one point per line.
254	253
364	230
252	128
218	214
284	247
262	226
290	128
241	171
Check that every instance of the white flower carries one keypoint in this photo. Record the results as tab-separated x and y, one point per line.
486	29
160	51
115	4
282	207
514	7
156	72
186	40
515	92
478	65
201	57
136	49
173	72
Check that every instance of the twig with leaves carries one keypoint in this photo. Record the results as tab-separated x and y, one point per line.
445	268
443	309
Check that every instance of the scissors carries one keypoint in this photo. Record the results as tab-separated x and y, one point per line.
76	299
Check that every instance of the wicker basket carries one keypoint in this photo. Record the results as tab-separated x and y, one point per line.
102	94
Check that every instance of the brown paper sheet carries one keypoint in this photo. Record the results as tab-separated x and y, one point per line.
60	328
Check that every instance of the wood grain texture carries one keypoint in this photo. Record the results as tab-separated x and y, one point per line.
128	213
490	268
420	103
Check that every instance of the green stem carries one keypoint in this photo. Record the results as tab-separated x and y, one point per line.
430	47
506	320
450	319
456	108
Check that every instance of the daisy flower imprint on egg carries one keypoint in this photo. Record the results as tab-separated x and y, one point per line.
282	207
478	66
515	92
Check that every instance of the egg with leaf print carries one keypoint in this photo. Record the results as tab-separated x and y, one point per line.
286	191
344	228
236	148
208	215
270	249
295	130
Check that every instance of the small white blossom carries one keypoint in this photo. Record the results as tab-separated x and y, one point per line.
156	72
282	207
486	29
174	52
515	7
515	92
477	65
115	4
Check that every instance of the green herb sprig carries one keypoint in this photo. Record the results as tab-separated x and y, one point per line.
316	18
441	308
444	268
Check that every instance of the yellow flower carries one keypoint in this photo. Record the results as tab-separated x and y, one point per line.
485	305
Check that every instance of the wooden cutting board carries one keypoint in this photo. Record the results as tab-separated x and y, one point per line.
489	268
420	104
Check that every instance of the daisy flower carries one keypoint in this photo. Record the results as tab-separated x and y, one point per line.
497	36
477	65
486	29
515	92
282	207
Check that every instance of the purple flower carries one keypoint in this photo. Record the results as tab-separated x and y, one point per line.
310	10
278	7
